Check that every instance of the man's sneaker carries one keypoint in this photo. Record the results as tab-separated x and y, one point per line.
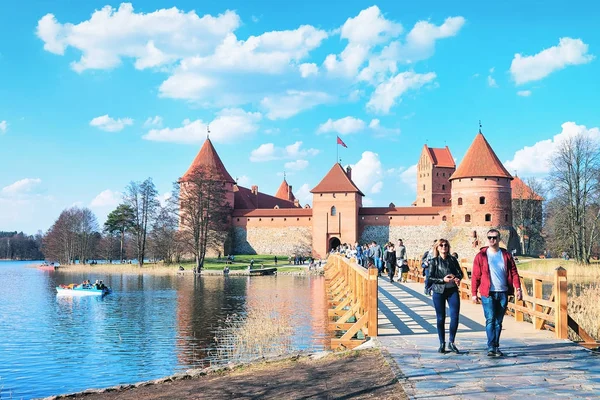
498	352
491	353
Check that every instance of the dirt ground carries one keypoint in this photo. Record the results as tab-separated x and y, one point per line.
354	375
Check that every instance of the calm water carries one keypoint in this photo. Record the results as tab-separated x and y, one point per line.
150	327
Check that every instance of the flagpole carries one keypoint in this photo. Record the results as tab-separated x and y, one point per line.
337	149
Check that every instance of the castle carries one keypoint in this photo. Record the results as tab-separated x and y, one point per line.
458	203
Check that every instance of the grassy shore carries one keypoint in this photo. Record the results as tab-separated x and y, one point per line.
548	266
211	265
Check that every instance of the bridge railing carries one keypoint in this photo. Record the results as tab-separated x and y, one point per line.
352	301
544	309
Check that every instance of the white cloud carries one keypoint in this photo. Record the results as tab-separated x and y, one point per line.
408	176
380	131
308	69
524	93
304	195
3	126
362	32
243	180
386	93
107	198
377	187
367	173
292	103
533	68
297	165
536	159
491	82
225	73
419	45
109	124
230	124
164	198
269	152
21	187
153	122
343	126
152	39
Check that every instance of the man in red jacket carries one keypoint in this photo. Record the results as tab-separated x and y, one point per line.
496	277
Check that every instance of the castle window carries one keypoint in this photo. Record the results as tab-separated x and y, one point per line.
443	199
443	187
468	218
444	218
443	174
376	217
345	194
423	199
488	217
238	220
482	200
333	211
297	219
390	217
260	219
437	174
248	219
309	218
321	195
460	201
271	219
506	217
423	187
285	219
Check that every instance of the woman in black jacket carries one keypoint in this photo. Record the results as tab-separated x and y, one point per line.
390	261
444	278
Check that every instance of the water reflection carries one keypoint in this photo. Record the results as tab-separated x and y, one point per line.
151	326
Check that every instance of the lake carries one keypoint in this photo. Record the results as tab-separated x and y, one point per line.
150	326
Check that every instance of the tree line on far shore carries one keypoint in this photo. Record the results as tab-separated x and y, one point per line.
19	246
193	220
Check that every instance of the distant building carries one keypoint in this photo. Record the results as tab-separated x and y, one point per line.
459	204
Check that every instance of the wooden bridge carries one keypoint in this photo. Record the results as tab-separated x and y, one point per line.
539	360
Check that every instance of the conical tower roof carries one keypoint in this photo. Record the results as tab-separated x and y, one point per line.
336	181
284	192
480	161
209	160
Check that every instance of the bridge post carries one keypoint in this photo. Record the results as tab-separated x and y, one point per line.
560	311
372	302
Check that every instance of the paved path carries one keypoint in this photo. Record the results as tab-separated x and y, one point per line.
536	364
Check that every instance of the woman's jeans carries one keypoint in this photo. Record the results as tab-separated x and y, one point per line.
494	308
451	296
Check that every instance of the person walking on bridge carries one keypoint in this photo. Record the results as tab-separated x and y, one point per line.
444	278
496	277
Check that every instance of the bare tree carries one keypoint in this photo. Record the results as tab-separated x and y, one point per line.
164	235
70	237
86	226
203	212
143	200
528	214
575	177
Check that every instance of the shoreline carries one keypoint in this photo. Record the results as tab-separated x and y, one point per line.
231	379
165	270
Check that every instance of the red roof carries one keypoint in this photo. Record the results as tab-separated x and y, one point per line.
245	199
402	210
480	161
521	191
209	160
336	181
441	157
284	192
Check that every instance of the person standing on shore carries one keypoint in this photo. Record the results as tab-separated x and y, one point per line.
496	277
444	278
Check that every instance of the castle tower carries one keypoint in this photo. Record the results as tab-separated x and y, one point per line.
208	160
285	192
336	201
481	188
433	173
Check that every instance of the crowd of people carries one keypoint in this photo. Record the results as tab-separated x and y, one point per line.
494	277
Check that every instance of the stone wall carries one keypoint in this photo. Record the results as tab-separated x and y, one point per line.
418	239
272	240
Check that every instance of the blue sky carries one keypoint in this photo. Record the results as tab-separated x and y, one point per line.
96	94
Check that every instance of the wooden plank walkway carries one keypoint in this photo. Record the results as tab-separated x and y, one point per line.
536	365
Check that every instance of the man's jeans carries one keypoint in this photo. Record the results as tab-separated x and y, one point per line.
378	264
494	308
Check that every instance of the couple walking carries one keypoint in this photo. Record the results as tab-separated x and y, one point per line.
494	275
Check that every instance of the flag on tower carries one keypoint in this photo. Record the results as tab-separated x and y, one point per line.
340	141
